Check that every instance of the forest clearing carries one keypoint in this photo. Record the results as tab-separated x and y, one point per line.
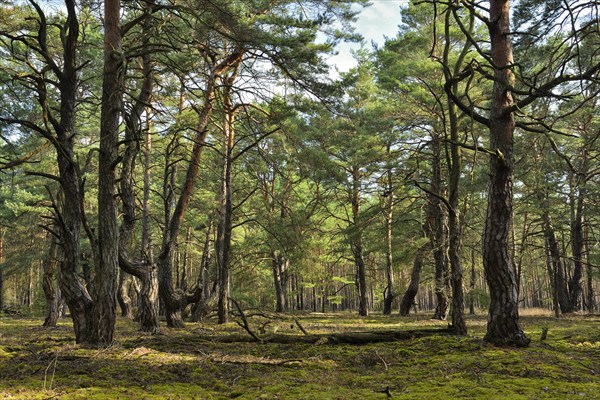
212	361
196	202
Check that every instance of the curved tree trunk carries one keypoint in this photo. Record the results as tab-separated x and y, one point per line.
408	300
503	317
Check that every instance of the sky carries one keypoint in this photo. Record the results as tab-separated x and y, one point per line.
375	22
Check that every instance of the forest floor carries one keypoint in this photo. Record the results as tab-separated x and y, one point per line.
210	361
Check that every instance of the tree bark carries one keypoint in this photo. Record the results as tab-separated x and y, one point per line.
356	244
408	300
576	281
590	299
280	277
503	317
105	283
389	293
173	300
49	283
144	269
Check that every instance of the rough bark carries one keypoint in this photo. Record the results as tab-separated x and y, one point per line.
49	283
144	269
438	232
123	295
503	317
408	300
105	283
590	299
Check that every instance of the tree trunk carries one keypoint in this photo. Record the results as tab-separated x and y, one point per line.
590	303
557	277
472	284
356	244
408	300
280	275
49	284
438	233
75	294
123	295
503	317
1	268
174	301
389	294
107	264
225	217
576	281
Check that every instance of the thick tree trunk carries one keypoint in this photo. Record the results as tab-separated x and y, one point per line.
503	317
107	264
49	284
408	300
75	294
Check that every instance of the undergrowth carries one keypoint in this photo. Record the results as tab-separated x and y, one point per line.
210	361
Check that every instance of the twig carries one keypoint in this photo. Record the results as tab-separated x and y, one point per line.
245	324
300	326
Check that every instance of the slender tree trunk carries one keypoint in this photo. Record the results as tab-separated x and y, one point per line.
357	244
557	276
49	284
438	232
472	284
389	293
280	275
590	303
1	269
576	281
503	317
408	300
175	302
224	227
123	295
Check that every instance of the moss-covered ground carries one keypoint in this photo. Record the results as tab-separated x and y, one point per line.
208	361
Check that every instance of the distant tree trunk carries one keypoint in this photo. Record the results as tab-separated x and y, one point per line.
557	277
389	293
49	283
590	303
105	283
1	269
503	317
408	300
203	307
576	281
356	244
280	276
123	295
472	284
552	278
